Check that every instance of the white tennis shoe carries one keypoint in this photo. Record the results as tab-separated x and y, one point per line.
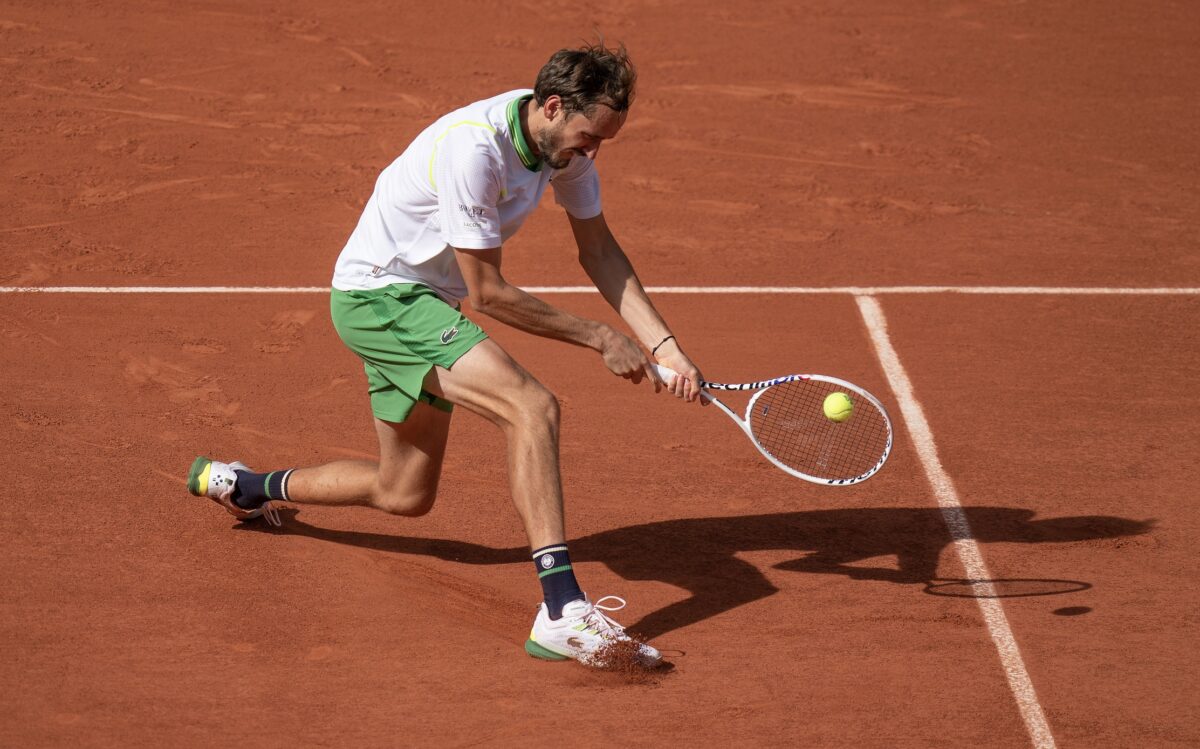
217	480
581	633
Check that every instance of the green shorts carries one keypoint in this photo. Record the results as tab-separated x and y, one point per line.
400	332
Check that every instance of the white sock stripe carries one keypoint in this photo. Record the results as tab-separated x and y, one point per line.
547	550
283	484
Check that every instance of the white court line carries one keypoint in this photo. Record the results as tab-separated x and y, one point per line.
852	290
960	531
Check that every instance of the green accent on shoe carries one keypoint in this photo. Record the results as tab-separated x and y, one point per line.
198	466
554	570
537	651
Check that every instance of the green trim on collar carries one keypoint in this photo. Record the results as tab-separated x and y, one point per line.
531	162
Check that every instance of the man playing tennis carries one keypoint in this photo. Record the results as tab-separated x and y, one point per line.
430	235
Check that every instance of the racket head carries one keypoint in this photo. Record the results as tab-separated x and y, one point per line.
787	423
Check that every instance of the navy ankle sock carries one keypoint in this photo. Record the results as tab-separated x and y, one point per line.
253	489
559	586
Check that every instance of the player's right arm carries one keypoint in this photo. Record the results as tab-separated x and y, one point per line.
492	295
468	184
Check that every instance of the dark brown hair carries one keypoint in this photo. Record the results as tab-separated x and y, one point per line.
586	77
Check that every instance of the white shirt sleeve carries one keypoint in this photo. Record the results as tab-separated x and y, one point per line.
577	188
467	178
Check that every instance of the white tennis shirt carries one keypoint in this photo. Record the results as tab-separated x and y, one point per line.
469	181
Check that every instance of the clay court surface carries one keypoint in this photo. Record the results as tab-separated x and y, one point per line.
816	145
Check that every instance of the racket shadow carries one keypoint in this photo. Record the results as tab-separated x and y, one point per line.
700	554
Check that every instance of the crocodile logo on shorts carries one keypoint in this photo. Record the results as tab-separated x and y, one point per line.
449	335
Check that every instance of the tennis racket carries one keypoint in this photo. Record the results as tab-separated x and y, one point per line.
785	419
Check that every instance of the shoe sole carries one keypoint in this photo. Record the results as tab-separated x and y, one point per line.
197	481
537	651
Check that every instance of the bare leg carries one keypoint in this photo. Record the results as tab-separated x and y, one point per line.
405	479
487	381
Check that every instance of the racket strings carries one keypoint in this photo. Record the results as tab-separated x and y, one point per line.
789	422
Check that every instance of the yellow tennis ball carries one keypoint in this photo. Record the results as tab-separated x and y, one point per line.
838	407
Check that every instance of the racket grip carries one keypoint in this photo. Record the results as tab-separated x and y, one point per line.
666	373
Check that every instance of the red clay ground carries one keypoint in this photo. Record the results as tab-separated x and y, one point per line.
973	143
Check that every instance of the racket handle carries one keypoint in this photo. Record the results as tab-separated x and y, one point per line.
666	373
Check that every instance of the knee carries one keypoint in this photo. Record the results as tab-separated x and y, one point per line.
538	408
408	503
527	405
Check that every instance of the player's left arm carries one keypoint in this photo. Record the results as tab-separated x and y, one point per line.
610	270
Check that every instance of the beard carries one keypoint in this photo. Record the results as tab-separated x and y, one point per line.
548	142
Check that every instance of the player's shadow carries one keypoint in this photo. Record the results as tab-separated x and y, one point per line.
700	554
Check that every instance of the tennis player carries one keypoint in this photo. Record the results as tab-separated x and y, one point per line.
431	235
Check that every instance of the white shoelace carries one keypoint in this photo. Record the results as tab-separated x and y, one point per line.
598	620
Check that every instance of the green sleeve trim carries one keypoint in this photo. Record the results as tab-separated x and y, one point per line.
531	162
554	570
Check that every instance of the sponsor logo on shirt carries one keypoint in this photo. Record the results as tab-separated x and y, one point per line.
473	213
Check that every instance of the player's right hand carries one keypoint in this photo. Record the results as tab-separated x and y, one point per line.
625	358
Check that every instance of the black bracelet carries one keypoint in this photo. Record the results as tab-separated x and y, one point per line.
654	351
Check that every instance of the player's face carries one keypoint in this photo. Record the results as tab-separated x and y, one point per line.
579	135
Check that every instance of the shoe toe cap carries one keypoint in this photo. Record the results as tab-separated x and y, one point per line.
649	654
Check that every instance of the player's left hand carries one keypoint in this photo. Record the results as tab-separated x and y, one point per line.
687	384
